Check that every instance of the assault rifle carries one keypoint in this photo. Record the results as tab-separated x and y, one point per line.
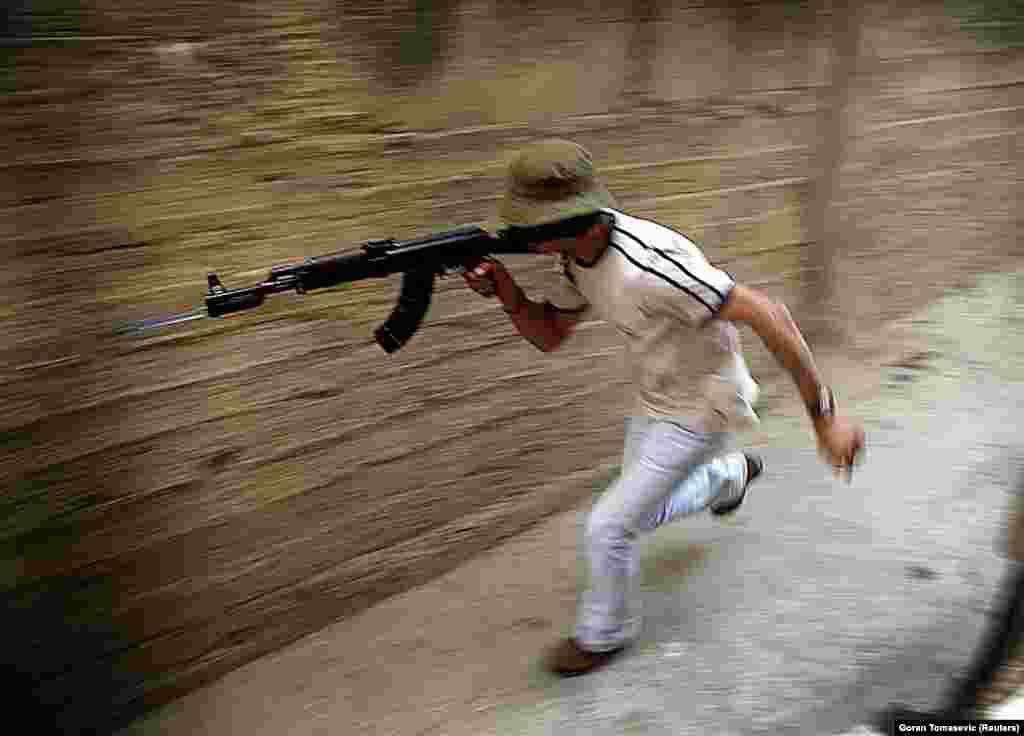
418	260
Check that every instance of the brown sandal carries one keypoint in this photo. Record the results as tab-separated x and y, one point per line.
569	658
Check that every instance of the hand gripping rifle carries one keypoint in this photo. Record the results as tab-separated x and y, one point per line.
418	260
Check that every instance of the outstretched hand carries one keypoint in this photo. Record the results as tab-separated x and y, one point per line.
840	444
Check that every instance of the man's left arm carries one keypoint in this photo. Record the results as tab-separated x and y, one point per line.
839	441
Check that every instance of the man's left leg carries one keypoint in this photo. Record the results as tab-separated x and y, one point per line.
719	485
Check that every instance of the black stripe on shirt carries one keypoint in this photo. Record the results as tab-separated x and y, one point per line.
566	271
663	276
664	255
728	293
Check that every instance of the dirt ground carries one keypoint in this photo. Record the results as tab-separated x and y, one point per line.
389	670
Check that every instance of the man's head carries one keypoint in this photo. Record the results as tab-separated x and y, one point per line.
552	182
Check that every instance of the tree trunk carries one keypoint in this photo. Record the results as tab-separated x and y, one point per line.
821	312
643	50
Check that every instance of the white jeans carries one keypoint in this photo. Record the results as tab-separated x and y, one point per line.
668	471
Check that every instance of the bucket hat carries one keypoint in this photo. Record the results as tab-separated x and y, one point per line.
551	180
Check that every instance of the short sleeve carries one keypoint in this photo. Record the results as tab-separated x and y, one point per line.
679	282
561	290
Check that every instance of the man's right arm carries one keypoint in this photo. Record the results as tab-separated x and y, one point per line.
543	324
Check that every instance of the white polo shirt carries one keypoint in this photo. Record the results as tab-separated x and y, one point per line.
658	290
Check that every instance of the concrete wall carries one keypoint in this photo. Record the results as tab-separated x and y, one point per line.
177	505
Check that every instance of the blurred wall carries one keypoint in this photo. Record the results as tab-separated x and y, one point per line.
174	506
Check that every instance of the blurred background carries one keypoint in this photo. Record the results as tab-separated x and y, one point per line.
175	505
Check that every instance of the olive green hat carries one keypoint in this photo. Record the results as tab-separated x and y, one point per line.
551	180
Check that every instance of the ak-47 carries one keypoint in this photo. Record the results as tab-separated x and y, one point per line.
418	260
